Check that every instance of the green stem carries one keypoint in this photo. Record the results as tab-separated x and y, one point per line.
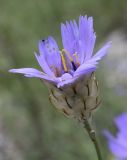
92	136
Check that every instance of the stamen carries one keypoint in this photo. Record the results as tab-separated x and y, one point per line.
63	61
76	58
64	51
68	54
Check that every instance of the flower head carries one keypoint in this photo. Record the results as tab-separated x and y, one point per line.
118	144
68	73
64	67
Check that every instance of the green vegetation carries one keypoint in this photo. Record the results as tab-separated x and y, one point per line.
38	130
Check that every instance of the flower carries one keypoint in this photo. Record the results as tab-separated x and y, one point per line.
69	73
118	144
71	63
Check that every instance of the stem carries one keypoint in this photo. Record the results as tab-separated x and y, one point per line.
92	136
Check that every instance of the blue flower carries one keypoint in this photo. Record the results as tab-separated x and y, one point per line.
118	144
64	67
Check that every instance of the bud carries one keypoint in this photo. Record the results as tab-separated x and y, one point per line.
78	100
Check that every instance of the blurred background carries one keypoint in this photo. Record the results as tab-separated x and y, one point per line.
30	128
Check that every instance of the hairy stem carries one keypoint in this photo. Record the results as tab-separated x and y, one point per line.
92	136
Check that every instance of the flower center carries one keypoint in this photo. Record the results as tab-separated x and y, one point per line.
68	61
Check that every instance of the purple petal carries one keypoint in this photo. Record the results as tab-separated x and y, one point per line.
102	52
31	72
122	138
67	37
70	37
79	39
66	79
121	122
42	62
49	52
116	148
87	37
75	29
90	65
84	69
90	47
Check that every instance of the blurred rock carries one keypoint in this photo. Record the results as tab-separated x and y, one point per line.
116	63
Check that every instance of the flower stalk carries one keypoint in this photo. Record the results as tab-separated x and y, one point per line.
93	138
